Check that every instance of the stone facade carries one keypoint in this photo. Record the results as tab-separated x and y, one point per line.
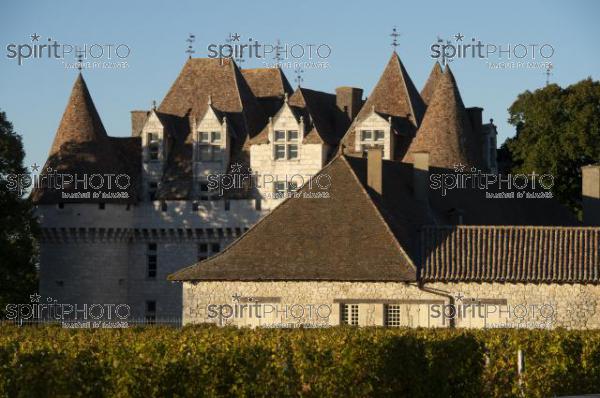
470	305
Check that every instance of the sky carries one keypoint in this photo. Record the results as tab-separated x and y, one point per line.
354	38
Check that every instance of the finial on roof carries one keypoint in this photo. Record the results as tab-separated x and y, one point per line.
285	97
548	73
153	105
79	61
372	108
299	79
395	36
209	99
190	48
277	56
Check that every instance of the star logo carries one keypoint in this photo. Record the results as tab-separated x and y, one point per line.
236	297
35	167
35	298
236	167
459	37
459	296
35	37
459	168
235	37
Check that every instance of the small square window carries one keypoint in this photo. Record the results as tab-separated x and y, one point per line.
279	135
366	135
203	248
215	247
279	187
152	247
61	205
292	135
279	151
216	136
102	206
204	137
292	186
203	187
151	306
379	135
292	151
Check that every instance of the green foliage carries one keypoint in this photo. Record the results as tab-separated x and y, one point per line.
558	131
18	277
335	362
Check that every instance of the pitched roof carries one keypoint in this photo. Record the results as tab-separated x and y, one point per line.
267	82
81	146
319	112
230	93
428	89
511	254
394	95
314	239
324	239
446	128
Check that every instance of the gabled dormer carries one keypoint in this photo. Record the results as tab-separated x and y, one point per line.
285	133
211	142
154	144
376	130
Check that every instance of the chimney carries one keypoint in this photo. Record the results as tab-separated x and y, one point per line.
475	117
349	101
421	175
375	170
138	118
590	190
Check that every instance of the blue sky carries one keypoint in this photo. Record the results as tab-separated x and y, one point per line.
34	94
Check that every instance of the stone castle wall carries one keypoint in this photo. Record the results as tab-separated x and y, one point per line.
474	305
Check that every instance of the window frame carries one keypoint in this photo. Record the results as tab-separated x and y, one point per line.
284	146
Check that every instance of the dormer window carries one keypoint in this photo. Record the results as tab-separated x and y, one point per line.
209	146
153	146
371	139
286	144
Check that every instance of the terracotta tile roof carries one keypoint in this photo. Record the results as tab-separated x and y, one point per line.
314	239
283	246
267	82
394	95
446	129
511	254
428	89
81	146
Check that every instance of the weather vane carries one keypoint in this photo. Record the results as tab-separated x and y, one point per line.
278	49
548	73
79	61
190	48
395	36
299	79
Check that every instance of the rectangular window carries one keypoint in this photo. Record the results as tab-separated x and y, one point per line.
279	187
279	135
206	193
279	151
204	137
216	136
392	315
205	250
153	146
292	135
292	151
366	135
151	260
150	311
205	153
379	135
349	314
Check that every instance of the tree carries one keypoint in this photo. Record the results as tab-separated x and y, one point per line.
18	226
558	131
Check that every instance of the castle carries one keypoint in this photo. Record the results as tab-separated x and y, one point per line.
176	205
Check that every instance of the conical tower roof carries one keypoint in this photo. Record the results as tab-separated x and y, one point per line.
80	122
429	88
395	94
446	129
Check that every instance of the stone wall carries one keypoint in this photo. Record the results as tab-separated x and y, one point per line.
472	305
